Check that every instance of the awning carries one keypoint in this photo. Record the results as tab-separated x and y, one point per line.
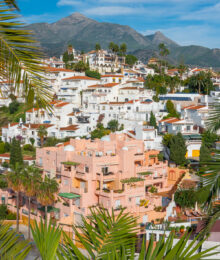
49	209
69	195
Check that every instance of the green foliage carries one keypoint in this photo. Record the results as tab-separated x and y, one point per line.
71	163
28	147
156	98
123	48
209	138
185	198
32	141
130	59
16	153
3	212
145	173
13	107
67	57
47	238
80	66
99	132
153	121
132	180
171	109
7	147
3	181
178	149
97	47
201	83
153	189
167	140
2	147
160	156
93	74
113	125
5	165
205	154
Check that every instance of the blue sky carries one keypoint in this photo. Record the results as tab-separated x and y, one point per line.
184	21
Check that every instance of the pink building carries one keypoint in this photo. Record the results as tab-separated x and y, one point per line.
113	172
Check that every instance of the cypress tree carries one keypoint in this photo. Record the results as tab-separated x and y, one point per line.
178	149
16	153
153	121
205	155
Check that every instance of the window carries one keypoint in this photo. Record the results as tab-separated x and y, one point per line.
188	128
86	169
128	108
105	170
145	218
138	200
117	204
65	182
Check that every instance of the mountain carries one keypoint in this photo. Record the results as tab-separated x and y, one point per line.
158	38
83	33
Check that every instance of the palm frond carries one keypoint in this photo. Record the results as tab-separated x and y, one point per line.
213	122
20	58
104	235
47	238
10	246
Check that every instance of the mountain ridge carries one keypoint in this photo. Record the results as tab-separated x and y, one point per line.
83	33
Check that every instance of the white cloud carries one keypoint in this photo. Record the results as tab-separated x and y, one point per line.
41	18
112	10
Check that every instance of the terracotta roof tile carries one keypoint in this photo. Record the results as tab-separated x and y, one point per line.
108	85
69	128
11	124
62	104
112	76
51	69
80	78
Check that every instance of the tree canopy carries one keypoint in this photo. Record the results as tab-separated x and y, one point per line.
178	149
130	59
153	121
16	153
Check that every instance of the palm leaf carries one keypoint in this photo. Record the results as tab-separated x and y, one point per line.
20	58
47	238
10	246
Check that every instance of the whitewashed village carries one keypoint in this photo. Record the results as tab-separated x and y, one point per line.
118	133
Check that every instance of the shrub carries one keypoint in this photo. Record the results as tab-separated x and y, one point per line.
93	74
13	107
5	165
2	147
3	211
28	147
11	216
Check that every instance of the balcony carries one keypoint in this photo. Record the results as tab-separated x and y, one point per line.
78	190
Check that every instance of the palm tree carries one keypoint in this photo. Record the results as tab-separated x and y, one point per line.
42	132
47	191
106	236
111	46
97	47
14	179
123	48
31	183
164	51
199	80
20	58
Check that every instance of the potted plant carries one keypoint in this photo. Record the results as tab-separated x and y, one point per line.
182	228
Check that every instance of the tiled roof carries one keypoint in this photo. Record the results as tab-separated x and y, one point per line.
11	124
62	104
36	126
32	109
194	107
69	128
80	78
108	85
25	157
129	88
71	114
51	69
170	120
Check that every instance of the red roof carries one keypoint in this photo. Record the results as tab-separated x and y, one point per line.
61	104
170	120
80	78
69	128
108	85
194	107
25	157
129	88
32	109
35	126
11	124
51	69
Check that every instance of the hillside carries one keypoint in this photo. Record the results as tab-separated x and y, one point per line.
83	33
